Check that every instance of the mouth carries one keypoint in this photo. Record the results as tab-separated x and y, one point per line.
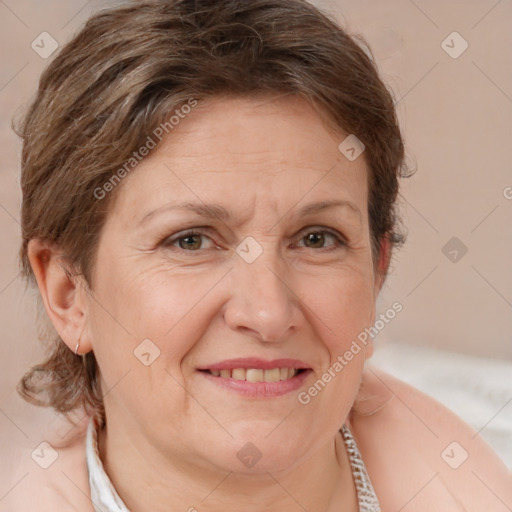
257	374
256	377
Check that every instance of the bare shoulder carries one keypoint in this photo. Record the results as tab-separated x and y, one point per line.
420	455
48	473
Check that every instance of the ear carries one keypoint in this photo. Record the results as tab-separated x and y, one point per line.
382	268
62	294
382	264
368	350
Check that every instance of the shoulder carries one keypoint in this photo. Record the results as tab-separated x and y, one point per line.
49	473
420	455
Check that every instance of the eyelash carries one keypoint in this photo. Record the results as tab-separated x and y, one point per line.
339	243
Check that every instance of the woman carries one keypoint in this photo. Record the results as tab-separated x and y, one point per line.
209	214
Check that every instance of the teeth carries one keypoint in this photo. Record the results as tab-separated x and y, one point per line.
256	374
238	374
272	375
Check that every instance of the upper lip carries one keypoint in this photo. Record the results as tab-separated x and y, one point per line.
256	363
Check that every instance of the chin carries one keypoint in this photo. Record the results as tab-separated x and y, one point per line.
261	450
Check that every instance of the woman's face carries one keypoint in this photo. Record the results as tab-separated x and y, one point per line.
273	278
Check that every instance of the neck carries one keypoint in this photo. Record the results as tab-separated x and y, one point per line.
146	481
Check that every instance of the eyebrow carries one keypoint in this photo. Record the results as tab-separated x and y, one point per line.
217	211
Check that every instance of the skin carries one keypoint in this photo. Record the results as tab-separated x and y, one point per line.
172	436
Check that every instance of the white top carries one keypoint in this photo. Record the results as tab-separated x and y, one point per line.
105	498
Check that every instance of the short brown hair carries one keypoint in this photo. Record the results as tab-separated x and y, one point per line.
126	71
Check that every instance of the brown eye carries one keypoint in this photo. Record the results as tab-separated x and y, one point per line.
188	241
317	240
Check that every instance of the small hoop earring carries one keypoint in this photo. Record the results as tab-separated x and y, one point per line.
76	348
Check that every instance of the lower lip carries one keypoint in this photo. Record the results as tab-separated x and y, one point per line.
259	389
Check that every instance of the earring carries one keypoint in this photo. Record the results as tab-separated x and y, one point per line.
76	348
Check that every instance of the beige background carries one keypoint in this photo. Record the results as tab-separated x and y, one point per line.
456	114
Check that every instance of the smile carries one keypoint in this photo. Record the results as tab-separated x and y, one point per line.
257	374
257	378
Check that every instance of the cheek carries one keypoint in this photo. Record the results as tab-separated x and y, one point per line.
343	310
167	307
142	329
344	306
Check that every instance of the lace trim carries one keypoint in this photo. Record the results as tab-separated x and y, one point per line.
105	498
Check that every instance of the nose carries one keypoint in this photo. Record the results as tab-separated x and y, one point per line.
262	303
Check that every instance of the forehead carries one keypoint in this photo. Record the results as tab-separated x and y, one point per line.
245	152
